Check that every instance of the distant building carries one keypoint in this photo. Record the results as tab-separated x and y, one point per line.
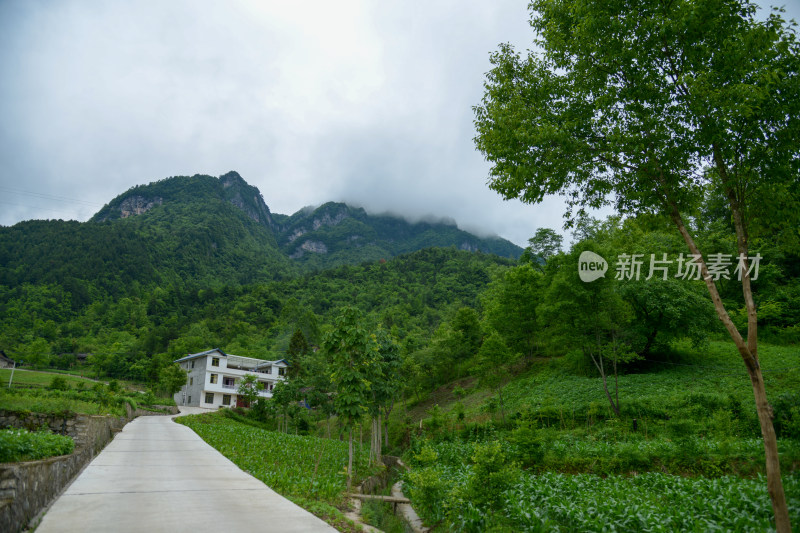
213	378
5	362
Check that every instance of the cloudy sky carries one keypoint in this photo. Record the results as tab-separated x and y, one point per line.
367	102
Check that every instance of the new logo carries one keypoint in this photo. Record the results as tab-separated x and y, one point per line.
591	266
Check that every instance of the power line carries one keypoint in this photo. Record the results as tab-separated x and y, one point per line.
41	209
46	196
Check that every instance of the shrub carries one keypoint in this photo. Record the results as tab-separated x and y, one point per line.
58	383
529	445
787	415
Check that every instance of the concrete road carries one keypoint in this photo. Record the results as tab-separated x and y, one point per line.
159	476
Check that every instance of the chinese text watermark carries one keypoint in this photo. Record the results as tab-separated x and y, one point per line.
592	266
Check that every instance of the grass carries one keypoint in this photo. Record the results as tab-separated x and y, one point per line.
40	379
87	402
717	368
20	445
381	515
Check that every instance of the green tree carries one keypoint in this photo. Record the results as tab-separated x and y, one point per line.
385	387
285	396
37	353
649	104
298	348
544	244
666	310
249	387
510	304
171	378
353	352
493	360
589	317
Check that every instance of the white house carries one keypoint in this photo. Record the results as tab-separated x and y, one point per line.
213	378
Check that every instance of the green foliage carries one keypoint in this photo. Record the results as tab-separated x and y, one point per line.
249	387
172	378
461	482
542	246
90	402
510	304
354	354
59	383
381	515
650	502
570	117
30	378
20	445
349	235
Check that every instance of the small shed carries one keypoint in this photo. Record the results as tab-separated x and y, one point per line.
5	361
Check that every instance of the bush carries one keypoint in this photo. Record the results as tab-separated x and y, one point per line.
58	383
787	415
459	392
529	445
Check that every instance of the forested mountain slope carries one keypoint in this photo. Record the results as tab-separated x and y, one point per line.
336	233
210	231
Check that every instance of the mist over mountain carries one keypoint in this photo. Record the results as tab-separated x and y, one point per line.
213	230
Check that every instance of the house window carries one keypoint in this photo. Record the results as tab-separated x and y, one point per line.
215	361
267	370
226	399
209	397
191	381
190	399
281	371
192	364
213	378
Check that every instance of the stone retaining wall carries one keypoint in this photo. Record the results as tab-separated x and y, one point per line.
27	488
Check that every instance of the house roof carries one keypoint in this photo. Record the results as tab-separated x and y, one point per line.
4	357
201	354
259	362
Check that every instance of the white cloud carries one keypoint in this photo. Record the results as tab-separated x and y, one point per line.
368	102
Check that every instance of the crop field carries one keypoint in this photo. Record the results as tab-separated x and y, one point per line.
22	445
715	367
40	379
292	465
475	487
61	402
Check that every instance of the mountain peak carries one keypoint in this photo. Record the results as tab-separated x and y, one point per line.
229	187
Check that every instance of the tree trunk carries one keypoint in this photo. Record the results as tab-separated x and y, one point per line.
502	407
389	409
379	439
350	461
749	354
598	362
373	444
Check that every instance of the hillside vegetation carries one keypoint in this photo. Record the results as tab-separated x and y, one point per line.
470	365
